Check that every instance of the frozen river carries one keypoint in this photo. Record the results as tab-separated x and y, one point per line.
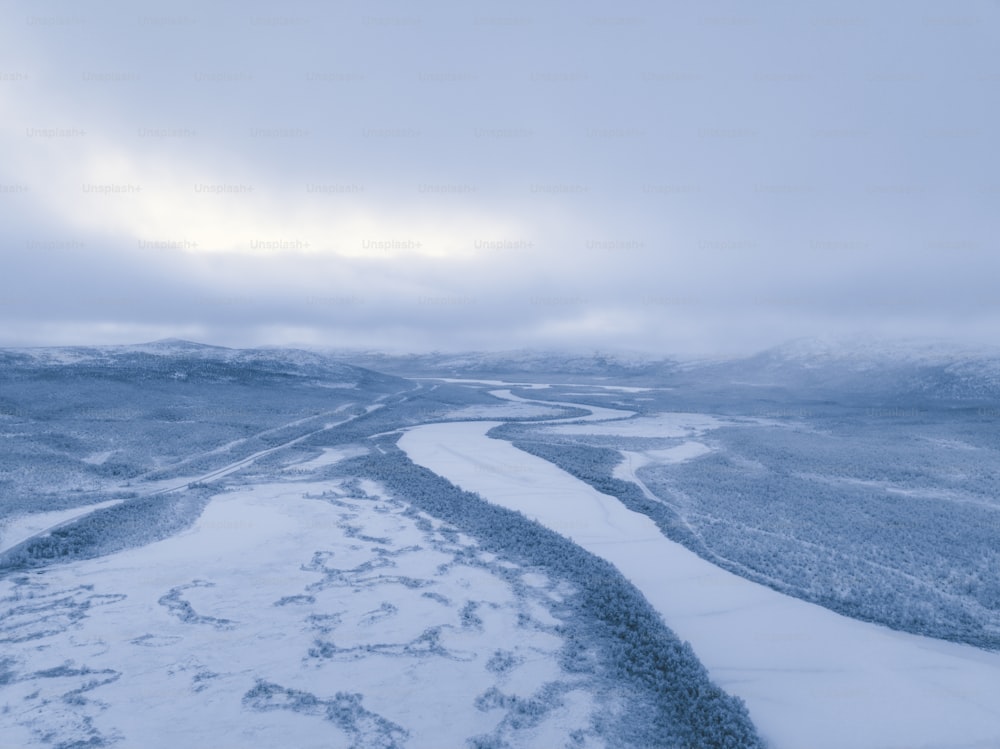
811	678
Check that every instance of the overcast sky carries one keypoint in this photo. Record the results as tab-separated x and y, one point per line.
698	177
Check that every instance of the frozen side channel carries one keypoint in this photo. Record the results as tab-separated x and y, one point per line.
810	677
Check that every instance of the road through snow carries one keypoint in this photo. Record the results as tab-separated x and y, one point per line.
46	523
811	678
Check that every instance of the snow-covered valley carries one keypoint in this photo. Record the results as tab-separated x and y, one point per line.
252	558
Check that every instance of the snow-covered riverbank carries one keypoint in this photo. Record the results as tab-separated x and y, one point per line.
810	677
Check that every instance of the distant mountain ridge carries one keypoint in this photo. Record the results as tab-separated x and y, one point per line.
178	359
931	369
520	363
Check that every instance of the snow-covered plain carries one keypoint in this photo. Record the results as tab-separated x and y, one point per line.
811	678
633	460
508	410
16	529
540	385
665	425
299	614
597	413
328	457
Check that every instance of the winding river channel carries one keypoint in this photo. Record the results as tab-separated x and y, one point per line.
811	678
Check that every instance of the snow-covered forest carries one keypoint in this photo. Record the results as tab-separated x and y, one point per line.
489	560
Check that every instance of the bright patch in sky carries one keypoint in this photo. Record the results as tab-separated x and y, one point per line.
678	179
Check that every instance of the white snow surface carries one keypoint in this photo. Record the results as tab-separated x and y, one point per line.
633	460
501	411
811	678
329	456
671	424
19	528
541	385
98	458
462	380
344	599
597	413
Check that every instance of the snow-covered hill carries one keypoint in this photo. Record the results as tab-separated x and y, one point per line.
179	359
515	364
831	368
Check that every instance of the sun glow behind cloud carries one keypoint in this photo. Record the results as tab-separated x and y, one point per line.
165	204
211	200
679	180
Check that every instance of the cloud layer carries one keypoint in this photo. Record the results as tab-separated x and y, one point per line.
674	179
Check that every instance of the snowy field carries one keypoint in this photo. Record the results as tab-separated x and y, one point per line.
16	529
633	460
508	410
328	456
810	677
666	425
290	614
597	413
